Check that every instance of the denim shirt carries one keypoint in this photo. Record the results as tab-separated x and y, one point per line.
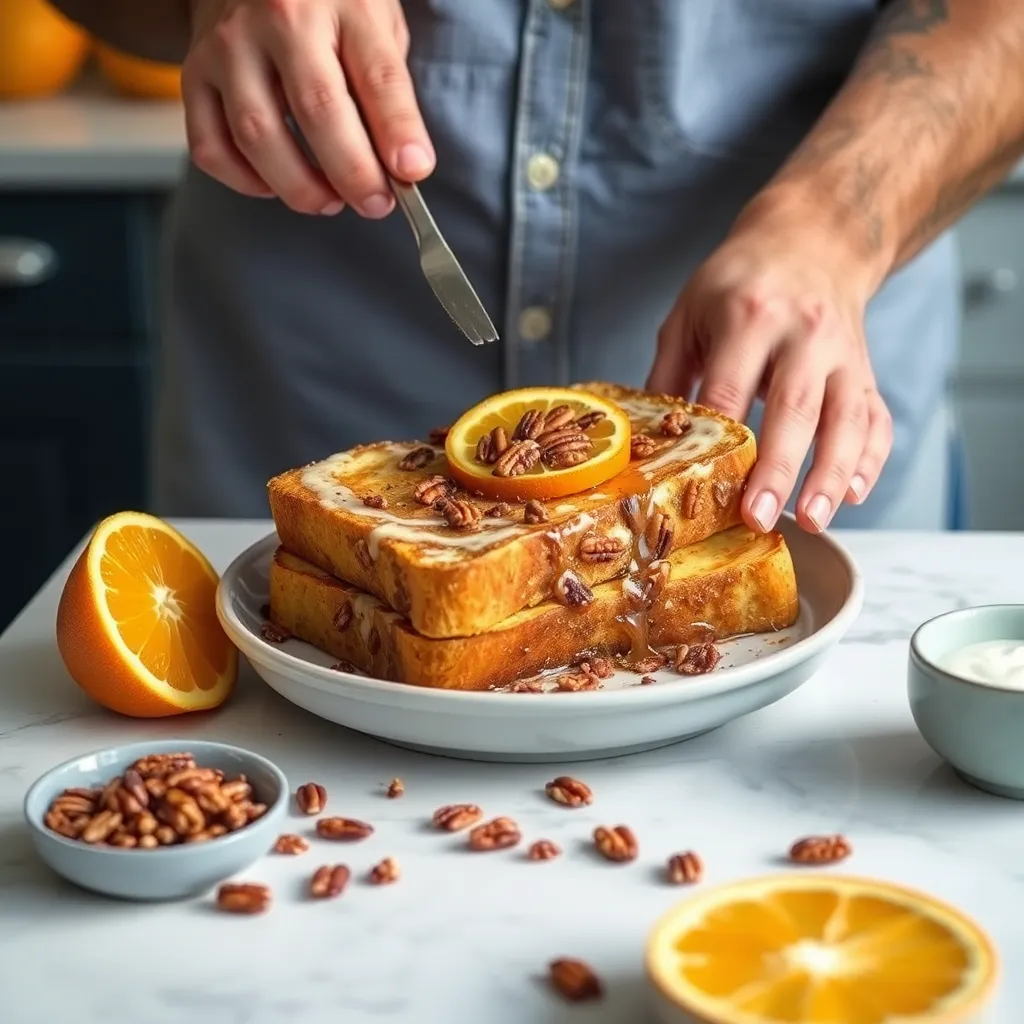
590	154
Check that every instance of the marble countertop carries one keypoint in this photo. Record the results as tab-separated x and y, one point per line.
467	937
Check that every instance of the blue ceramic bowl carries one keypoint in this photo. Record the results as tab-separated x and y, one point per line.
976	727
170	872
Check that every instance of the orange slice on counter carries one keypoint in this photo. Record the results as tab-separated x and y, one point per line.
137	625
607	456
821	950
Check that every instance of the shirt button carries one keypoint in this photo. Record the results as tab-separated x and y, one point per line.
534	323
542	171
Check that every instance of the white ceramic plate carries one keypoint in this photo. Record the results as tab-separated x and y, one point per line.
622	718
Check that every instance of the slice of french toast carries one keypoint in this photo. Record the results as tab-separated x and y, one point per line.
356	516
732	583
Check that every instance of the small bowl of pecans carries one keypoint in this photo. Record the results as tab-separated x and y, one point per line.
156	820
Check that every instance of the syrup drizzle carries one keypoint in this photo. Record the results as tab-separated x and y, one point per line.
643	581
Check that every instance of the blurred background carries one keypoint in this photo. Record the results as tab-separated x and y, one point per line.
91	146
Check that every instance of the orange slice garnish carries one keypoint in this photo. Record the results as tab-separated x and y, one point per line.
606	456
820	950
137	625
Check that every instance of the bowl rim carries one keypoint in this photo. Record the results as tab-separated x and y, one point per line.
922	661
193	850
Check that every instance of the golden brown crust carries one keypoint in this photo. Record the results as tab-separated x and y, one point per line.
737	582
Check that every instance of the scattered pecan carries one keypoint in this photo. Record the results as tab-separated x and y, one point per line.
574	980
660	532
497	834
273	633
343	666
456	817
396	788
530	427
347	830
600	667
569	791
616	844
641	446
675	423
526	686
343	616
417	458
499	511
329	881
560	416
491	446
375	501
820	850
385	872
363	556
684	868
651	663
647	680
521	457
433	489
572	591
693	492
438	436
577	681
243	898
600	549
535	512
543	849
290	844
697	659
460	515
722	491
589	419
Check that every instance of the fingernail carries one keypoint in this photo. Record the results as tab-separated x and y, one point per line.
765	510
332	208
819	511
413	159
377	206
858	485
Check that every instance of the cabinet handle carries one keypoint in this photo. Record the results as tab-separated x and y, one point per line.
24	262
980	289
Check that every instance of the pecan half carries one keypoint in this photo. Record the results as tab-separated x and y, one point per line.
560	416
589	419
497	834
491	446
616	844
572	591
273	633
675	423
820	850
460	515
158	765
684	868
438	436
343	616
290	844
329	881
569	792
574	980
101	826
600	667
243	898
530	426
396	788
375	501
642	447
456	817
432	490
600	549
563	439
385	872
535	512
521	457
417	458
578	681
693	492
346	830
647	681
722	491
651	663
543	849
660	532
499	511
363	556
697	659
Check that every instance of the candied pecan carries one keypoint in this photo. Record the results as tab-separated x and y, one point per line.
243	898
572	591
456	817
660	532
675	423
578	681
600	667
499	511
206	834
191	779
375	501
343	616
135	786
589	419
146	824
560	416
343	829
101	826
290	844
311	798
600	549
158	765
148	842
574	980
181	811
438	436
563	441
460	515
385	872
363	556
526	686
521	457
617	843
691	501
651	663
273	633
535	512
72	805
329	881
697	659
165	835
530	426
642	447
684	868
123	840
820	850
497	834
569	791
156	787
417	458
431	490
722	491
396	788
237	789
543	849
491	446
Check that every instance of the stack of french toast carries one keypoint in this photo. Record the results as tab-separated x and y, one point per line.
547	536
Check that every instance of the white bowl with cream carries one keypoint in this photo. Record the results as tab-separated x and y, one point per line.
965	681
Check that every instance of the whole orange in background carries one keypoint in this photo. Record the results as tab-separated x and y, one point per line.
137	622
133	76
40	50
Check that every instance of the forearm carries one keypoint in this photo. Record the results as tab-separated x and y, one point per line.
930	119
156	29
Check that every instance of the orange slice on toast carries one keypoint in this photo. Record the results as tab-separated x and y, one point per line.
584	443
137	625
819	950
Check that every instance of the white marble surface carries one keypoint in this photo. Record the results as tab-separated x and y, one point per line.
466	937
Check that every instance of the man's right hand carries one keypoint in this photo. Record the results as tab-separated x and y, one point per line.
252	61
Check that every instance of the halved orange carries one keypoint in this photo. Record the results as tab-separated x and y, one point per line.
819	950
608	456
137	624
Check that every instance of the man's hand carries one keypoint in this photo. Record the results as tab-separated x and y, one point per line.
774	313
252	61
